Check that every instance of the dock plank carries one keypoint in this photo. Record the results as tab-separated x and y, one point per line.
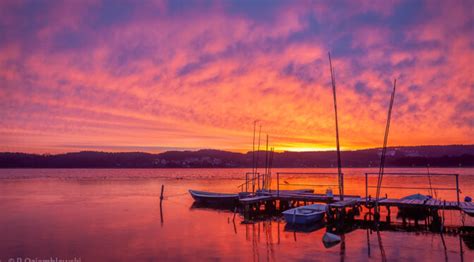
344	203
431	202
249	200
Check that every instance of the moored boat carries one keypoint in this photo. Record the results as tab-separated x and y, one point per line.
214	198
416	213
305	215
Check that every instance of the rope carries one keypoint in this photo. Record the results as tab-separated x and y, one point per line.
175	195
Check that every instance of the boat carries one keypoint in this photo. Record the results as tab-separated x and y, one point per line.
417	213
305	215
417	197
214	198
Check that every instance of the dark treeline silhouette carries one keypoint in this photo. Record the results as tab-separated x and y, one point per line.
416	156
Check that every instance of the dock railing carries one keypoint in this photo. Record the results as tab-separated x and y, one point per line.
304	173
455	176
252	181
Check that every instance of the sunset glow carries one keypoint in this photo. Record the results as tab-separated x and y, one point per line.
186	75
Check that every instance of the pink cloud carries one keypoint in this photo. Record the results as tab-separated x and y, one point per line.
199	79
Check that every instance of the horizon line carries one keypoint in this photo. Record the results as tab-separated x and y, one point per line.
230	151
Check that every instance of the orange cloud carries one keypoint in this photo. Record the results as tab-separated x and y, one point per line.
165	76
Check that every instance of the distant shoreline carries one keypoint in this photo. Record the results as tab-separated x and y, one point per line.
397	157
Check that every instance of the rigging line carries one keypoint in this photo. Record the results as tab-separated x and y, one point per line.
339	168
384	149
433	191
176	195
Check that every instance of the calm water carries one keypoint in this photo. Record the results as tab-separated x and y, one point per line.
110	214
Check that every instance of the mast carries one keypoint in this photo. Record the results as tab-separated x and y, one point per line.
253	147
270	165
385	140
265	177
339	167
256	159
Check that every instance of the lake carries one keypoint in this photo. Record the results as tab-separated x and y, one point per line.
114	214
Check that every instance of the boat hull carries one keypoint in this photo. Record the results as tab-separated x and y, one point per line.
211	198
416	213
305	215
303	219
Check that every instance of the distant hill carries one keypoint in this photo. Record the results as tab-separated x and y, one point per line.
412	156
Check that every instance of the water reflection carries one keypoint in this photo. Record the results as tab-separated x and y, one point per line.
390	245
304	228
103	220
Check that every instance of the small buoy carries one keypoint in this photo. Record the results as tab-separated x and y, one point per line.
330	239
468	199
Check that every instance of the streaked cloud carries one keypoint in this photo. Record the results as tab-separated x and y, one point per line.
196	74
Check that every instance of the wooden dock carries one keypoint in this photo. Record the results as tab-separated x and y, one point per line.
271	201
466	207
345	208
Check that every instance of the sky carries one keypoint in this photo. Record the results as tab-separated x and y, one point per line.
184	75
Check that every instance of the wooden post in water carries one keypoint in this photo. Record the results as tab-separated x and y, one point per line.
278	184
366	189
161	204
162	190
457	187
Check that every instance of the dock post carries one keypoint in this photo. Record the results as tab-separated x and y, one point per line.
457	187
246	212
366	188
388	214
278	184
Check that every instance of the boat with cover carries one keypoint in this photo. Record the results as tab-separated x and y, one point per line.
214	198
305	215
416	213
